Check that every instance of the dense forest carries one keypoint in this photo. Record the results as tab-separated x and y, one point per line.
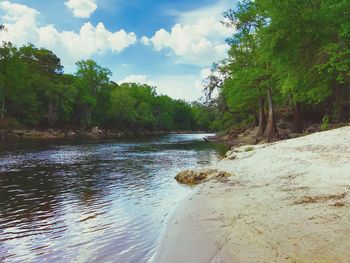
36	93
287	59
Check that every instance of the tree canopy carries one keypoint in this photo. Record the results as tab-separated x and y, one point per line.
293	54
287	60
35	92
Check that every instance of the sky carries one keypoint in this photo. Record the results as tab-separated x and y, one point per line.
170	44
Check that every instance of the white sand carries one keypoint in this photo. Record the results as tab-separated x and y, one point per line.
288	202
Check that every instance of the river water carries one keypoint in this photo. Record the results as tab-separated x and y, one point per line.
92	201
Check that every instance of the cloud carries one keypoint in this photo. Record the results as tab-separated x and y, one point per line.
19	20
140	79
81	8
179	87
215	10
184	87
22	28
197	37
205	73
146	41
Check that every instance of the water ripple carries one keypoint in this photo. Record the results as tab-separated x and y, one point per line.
91	201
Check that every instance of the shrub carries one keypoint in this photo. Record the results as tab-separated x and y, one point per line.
325	123
10	124
249	149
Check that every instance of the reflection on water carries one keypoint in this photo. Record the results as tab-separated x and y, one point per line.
91	201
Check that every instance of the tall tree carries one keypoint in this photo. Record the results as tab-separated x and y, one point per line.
2	95
46	71
91	79
15	80
250	74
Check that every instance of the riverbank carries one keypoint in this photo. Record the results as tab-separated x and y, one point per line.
94	133
248	134
286	202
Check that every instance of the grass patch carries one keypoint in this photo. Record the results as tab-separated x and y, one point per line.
249	149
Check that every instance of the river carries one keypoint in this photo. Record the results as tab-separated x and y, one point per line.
92	201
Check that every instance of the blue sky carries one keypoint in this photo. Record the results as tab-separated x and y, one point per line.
168	44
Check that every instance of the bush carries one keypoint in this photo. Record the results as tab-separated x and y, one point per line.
249	149
325	123
10	124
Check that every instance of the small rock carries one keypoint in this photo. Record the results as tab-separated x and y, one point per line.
18	132
96	131
72	134
229	153
192	177
231	157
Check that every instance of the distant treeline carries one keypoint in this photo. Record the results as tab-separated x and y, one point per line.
287	59
36	93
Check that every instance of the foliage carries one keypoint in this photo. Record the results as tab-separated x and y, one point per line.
325	123
299	50
249	149
294	55
35	92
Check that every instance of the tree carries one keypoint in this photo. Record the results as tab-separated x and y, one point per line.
15	80
123	109
46	71
333	59
249	73
164	112
91	79
275	56
35	92
2	27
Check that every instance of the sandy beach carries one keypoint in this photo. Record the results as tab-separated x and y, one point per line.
286	202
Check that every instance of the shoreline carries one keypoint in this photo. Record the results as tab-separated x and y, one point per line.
93	134
282	204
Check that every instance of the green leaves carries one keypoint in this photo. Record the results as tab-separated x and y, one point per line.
299	48
91	80
36	92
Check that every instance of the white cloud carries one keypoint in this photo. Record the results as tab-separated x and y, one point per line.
185	87
18	20
205	73
179	87
81	8
214	10
22	28
197	37
146	41
140	79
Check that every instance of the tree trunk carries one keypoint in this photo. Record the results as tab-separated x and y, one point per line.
256	118
85	121
51	114
271	132
336	104
262	117
297	119
3	108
